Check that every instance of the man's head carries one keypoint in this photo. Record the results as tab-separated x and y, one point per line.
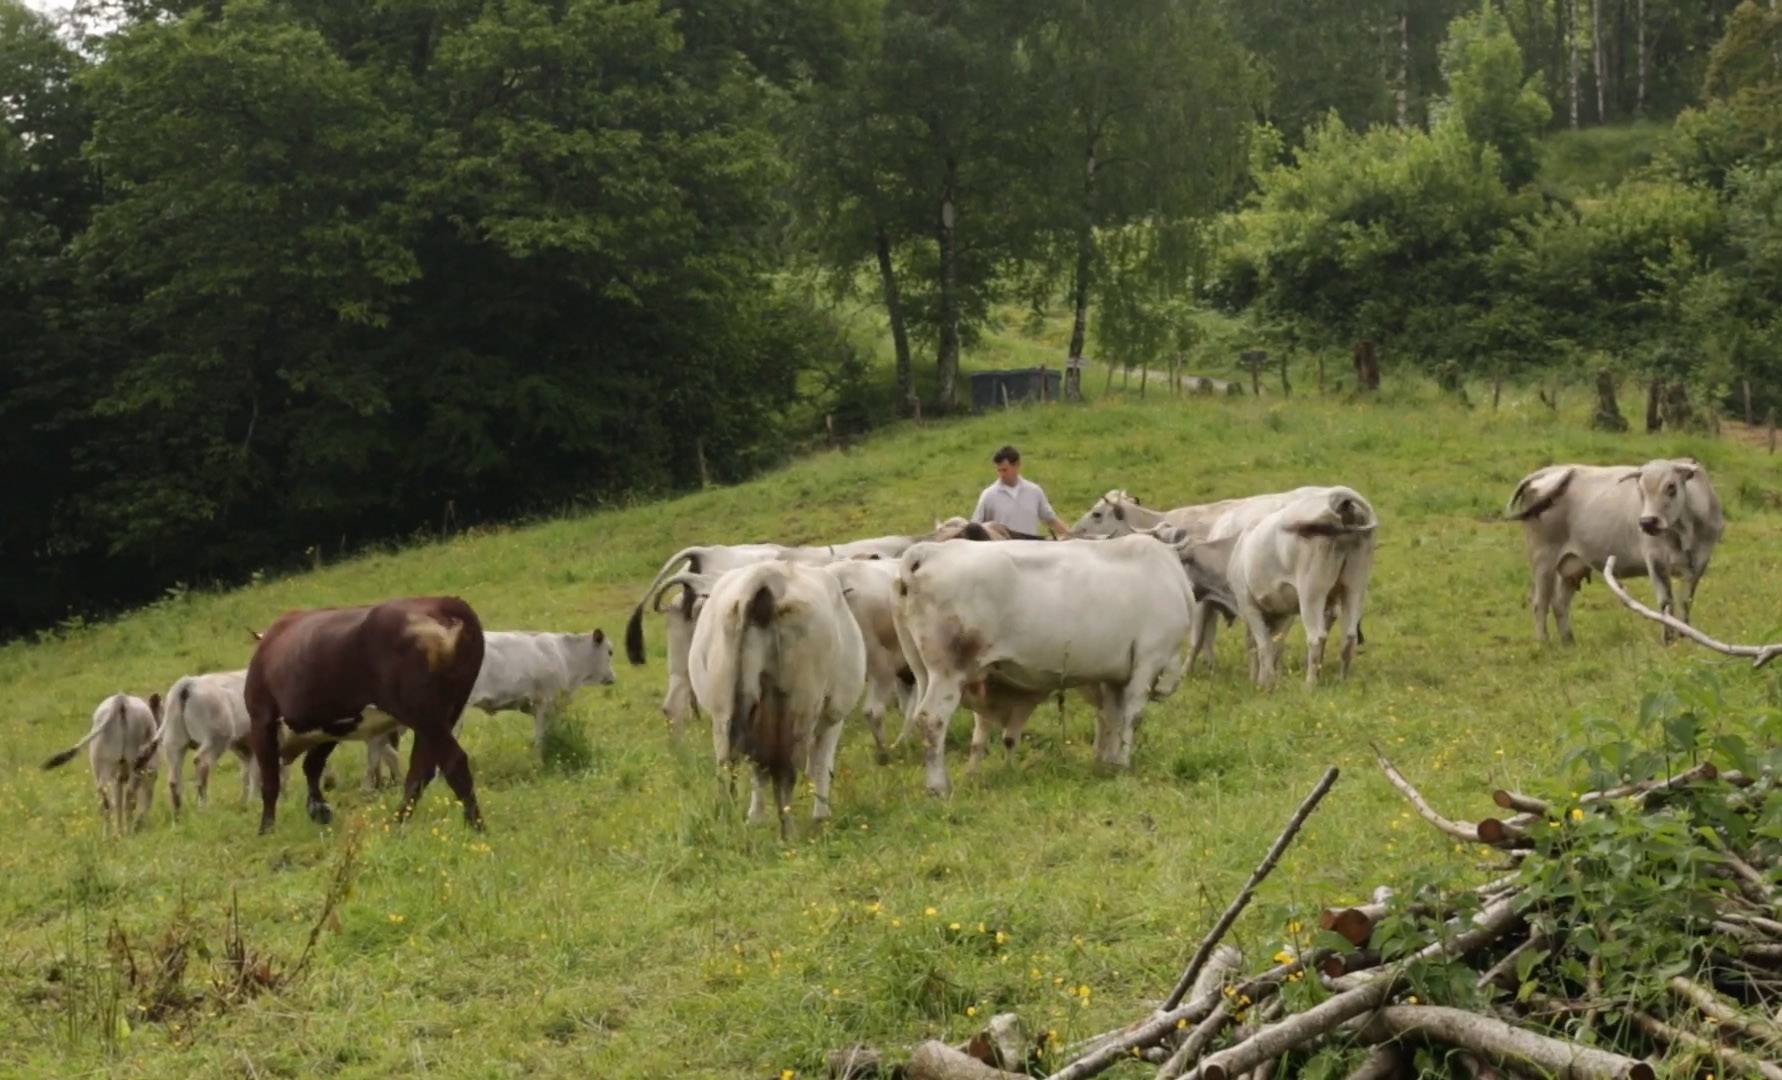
1008	465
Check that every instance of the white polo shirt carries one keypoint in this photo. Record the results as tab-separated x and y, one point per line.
1021	506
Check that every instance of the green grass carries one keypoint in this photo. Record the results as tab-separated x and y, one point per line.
1578	163
615	921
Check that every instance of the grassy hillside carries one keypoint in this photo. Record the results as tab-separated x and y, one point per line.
616	921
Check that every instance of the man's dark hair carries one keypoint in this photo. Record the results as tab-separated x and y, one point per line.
1008	454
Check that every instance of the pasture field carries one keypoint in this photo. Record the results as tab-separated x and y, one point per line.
618	920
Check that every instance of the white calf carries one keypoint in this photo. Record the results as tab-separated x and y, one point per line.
122	735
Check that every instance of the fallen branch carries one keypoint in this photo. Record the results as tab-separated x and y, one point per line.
1383	1063
1721	1012
1502	973
1673	1036
1160	1024
1760	654
934	1060
1504	1044
1467	833
1242	900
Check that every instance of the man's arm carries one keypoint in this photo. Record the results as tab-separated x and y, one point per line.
977	513
1050	516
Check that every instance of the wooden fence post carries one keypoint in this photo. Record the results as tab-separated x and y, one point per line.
1750	418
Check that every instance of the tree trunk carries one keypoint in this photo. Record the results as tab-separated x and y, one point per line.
1079	328
1596	59
1497	390
1144	376
1608	411
1750	417
1640	47
949	290
1404	69
900	336
1571	37
1654	421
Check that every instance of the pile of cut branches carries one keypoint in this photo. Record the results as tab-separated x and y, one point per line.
1626	930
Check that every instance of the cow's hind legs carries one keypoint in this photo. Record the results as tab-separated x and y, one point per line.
455	765
822	766
315	762
759	783
421	767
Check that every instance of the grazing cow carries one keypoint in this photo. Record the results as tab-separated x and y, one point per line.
1659	519
207	713
869	587
1118	513
122	734
958	528
778	662
717	559
535	673
1039	617
335	673
1306	558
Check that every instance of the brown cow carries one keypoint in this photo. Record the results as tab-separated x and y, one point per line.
318	671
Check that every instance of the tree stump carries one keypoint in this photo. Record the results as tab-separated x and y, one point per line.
1367	365
1654	420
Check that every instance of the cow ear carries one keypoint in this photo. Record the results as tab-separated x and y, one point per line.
1689	472
599	636
1631	474
1136	501
1119	512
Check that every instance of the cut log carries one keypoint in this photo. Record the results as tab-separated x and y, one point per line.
1527	804
1499	833
1242	900
934	1060
1504	1044
1678	1038
1355	924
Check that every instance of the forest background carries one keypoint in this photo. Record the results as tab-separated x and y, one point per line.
286	278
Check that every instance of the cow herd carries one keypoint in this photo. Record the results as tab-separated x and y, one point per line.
779	645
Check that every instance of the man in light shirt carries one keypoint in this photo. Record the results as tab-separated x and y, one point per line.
1018	504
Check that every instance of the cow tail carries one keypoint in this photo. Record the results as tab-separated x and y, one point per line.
759	725
115	715
1542	502
177	699
634	634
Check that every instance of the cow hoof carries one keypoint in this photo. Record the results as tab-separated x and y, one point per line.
320	812
265	826
883	757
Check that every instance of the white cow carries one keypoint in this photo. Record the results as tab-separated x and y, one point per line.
1659	519
206	712
1040	617
1118	513
716	559
779	663
1306	558
119	740
534	672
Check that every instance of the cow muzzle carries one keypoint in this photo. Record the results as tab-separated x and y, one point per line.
1651	526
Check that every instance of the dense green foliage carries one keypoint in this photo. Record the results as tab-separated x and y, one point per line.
280	277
